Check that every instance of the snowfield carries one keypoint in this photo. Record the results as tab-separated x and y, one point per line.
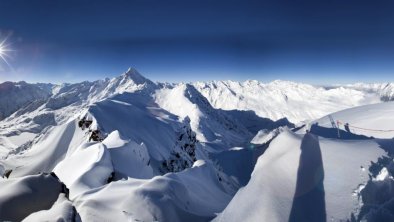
129	149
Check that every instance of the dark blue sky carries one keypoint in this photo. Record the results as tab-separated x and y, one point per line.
186	40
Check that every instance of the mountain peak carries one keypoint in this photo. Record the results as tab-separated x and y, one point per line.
132	71
137	78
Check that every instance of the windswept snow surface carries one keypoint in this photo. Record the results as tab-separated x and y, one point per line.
304	178
129	159
87	168
61	210
192	195
20	197
47	152
375	120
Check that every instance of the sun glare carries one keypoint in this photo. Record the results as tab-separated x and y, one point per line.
4	51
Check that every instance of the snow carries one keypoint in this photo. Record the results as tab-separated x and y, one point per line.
49	150
21	138
383	175
278	99
385	90
210	125
129	159
371	117
328	174
34	193
56	104
138	117
129	149
264	136
14	96
62	210
88	167
193	194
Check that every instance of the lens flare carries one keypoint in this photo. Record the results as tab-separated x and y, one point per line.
4	51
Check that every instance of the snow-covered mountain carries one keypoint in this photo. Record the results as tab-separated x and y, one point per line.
129	149
282	99
91	135
384	90
210	124
17	95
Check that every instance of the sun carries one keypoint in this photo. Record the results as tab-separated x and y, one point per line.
4	50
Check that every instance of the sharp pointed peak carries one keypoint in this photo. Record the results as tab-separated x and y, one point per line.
136	76
132	71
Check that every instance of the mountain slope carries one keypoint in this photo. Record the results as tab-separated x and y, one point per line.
211	125
317	176
66	101
14	96
191	195
282	99
384	90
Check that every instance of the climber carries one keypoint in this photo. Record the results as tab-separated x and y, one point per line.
347	127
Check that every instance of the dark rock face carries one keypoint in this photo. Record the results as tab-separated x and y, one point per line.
184	153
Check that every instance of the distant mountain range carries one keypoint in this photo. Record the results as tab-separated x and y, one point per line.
274	100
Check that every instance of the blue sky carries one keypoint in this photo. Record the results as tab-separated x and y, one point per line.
338	41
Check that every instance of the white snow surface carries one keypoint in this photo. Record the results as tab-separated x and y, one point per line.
376	120
87	168
48	151
192	195
264	136
62	210
269	195
20	197
129	159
